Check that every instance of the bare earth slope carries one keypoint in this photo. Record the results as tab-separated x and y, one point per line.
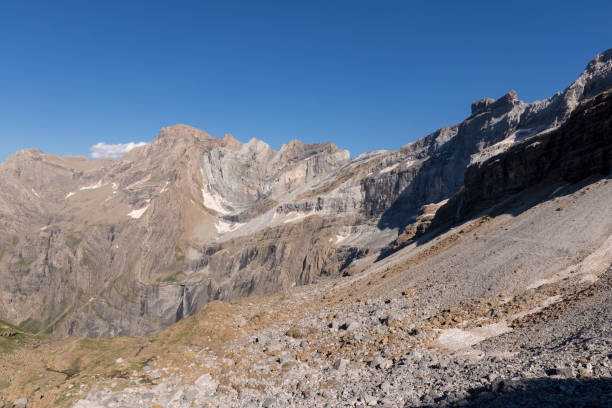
130	246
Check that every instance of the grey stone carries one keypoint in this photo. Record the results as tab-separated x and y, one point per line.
20	403
350	326
381	363
561	372
385	387
341	364
269	402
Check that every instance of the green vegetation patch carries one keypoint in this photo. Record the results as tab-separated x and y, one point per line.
87	260
10	343
179	254
176	277
7	324
24	262
31	325
55	321
72	241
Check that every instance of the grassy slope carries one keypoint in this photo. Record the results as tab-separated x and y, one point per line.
35	366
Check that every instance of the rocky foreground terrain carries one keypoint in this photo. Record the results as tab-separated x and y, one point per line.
295	288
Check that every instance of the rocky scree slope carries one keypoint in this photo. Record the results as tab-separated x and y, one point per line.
129	246
494	311
509	308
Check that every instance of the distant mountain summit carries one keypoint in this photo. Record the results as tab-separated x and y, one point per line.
106	247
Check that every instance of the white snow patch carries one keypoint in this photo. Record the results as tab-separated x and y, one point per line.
35	193
596	263
70	194
214	201
147	178
296	217
136	214
164	188
223	227
92	187
457	339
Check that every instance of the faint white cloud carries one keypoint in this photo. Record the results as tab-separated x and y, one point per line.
112	151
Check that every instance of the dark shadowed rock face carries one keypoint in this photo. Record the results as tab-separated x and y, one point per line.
582	147
481	105
438	161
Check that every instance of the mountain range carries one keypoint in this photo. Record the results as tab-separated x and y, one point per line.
107	247
472	267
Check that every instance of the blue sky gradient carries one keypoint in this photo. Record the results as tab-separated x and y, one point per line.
367	75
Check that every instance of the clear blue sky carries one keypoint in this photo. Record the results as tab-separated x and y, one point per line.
364	74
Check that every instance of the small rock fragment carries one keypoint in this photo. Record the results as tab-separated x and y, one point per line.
268	402
20	403
341	364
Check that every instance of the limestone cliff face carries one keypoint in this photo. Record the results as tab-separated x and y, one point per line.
432	169
580	148
102	247
106	247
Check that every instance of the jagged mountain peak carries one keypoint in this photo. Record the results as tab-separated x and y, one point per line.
596	76
184	131
292	144
31	151
300	149
25	155
231	142
510	97
601	58
481	105
505	103
499	106
257	145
